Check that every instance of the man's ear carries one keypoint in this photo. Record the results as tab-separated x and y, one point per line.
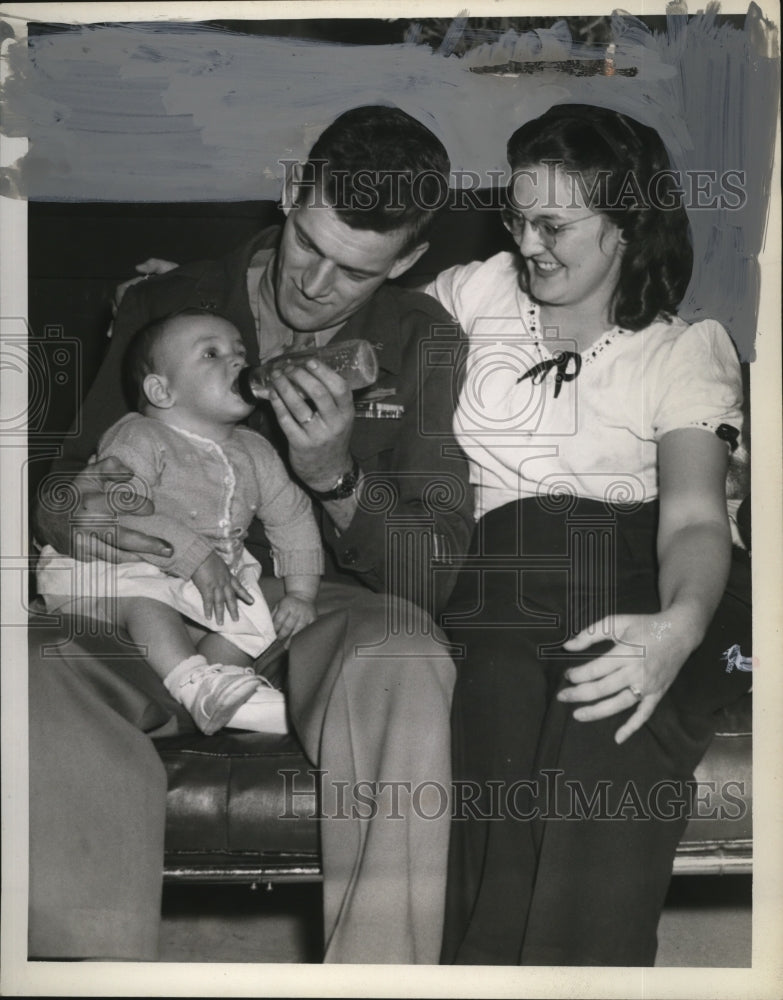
406	262
156	389
291	185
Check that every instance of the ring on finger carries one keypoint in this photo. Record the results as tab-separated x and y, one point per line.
635	691
308	418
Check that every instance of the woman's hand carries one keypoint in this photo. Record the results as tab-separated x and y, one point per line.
694	552
648	653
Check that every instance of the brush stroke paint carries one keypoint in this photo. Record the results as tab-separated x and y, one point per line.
186	112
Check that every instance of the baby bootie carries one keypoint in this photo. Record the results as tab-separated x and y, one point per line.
211	692
263	712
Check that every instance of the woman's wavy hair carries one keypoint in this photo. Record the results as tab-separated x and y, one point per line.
624	173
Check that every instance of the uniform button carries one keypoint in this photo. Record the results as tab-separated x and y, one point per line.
223	523
227	481
351	555
194	513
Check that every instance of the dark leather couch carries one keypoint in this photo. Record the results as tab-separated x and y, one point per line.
243	807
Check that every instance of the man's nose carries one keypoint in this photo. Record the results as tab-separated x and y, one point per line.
318	279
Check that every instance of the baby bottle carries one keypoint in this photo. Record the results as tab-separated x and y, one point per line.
353	360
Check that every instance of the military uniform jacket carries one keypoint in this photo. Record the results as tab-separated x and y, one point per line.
415	513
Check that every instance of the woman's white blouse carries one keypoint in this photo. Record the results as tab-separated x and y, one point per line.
598	438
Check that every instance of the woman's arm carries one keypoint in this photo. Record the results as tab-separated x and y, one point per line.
694	553
694	538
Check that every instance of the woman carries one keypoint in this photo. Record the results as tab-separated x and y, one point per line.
598	426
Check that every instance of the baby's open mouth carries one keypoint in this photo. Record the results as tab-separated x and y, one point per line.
241	386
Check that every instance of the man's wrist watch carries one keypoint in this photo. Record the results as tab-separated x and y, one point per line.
344	487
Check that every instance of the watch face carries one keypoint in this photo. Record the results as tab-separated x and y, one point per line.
346	486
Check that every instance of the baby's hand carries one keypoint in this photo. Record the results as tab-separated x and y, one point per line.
291	614
219	588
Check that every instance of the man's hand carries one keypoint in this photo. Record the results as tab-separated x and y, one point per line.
77	529
219	588
153	265
318	439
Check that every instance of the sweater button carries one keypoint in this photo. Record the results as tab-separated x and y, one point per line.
351	555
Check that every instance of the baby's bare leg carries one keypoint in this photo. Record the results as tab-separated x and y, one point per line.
159	629
205	673
217	649
169	639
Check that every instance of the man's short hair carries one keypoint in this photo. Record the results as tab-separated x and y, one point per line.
379	169
140	358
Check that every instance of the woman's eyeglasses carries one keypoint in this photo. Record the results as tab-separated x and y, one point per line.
548	232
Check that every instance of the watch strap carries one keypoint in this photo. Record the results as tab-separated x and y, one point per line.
343	488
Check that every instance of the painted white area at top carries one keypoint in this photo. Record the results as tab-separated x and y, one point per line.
177	112
78	13
174	111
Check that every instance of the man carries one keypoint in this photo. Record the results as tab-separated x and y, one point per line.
353	221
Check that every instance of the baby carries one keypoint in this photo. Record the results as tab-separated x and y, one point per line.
207	478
